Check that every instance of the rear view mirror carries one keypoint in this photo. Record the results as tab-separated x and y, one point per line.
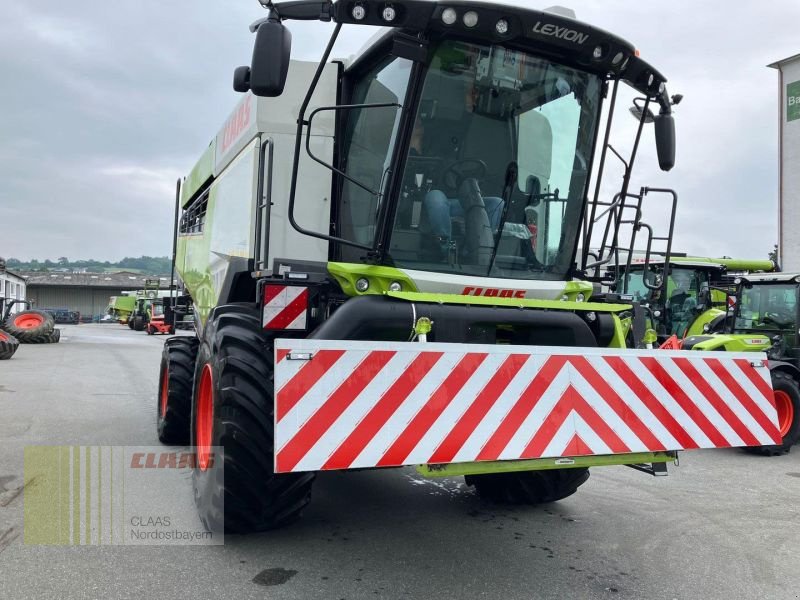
665	141
266	75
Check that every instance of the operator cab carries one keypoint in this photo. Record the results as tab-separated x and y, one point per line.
466	132
769	305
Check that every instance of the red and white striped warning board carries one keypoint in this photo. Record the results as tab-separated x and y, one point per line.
353	404
285	307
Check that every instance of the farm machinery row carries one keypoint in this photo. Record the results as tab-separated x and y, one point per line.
151	309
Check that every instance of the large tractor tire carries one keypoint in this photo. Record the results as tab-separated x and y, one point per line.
139	323
175	383
529	487
130	322
233	407
30	326
787	401
54	337
8	345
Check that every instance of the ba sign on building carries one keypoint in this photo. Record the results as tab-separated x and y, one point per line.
793	101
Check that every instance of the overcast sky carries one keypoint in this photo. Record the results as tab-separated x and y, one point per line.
104	104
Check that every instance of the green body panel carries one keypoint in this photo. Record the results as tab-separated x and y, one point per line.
123	303
735	342
192	264
621	328
733	264
379	278
696	327
540	464
512	302
203	171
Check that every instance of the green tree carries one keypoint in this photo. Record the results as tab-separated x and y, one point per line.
773	254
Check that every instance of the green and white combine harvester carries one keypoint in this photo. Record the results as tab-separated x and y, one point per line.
382	254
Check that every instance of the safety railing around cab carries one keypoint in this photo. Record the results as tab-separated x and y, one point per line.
628	240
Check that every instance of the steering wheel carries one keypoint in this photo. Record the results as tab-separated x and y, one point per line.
779	319
464	169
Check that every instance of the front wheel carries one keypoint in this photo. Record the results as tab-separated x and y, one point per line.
175	382
787	403
233	408
8	345
529	487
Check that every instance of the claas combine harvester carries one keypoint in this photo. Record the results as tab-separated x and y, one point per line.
383	258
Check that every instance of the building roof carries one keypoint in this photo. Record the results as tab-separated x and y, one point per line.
123	280
778	63
772	278
13	274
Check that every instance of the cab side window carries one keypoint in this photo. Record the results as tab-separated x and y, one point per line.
369	140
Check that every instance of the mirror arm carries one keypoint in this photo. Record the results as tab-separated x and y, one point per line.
339	172
301	122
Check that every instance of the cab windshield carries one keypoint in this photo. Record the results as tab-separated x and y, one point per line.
771	307
497	165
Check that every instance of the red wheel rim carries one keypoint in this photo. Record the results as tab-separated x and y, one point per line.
164	391
28	321
205	418
783	402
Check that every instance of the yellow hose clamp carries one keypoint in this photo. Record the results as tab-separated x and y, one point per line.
423	326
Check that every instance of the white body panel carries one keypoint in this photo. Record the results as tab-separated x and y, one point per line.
448	283
313	203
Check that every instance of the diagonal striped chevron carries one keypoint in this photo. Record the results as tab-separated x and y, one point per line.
357	404
285	307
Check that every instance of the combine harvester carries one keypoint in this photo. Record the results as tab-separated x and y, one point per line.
381	254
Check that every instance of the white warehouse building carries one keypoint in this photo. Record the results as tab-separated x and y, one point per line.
789	206
11	285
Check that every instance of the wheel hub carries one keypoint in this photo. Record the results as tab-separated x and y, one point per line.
164	391
204	423
28	321
785	408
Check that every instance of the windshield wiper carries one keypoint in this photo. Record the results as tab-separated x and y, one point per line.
512	172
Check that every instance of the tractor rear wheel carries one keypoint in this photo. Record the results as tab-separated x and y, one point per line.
233	408
30	326
138	323
8	345
787	403
529	487
130	322
175	389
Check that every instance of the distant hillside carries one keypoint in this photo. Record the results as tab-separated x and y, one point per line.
147	265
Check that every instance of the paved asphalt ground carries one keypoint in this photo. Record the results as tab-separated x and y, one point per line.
723	525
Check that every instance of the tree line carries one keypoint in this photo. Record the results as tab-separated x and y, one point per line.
150	265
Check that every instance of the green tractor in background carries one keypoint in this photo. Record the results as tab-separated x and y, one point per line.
120	308
685	295
764	318
140	316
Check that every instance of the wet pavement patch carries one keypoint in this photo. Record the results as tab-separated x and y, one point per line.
269	577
